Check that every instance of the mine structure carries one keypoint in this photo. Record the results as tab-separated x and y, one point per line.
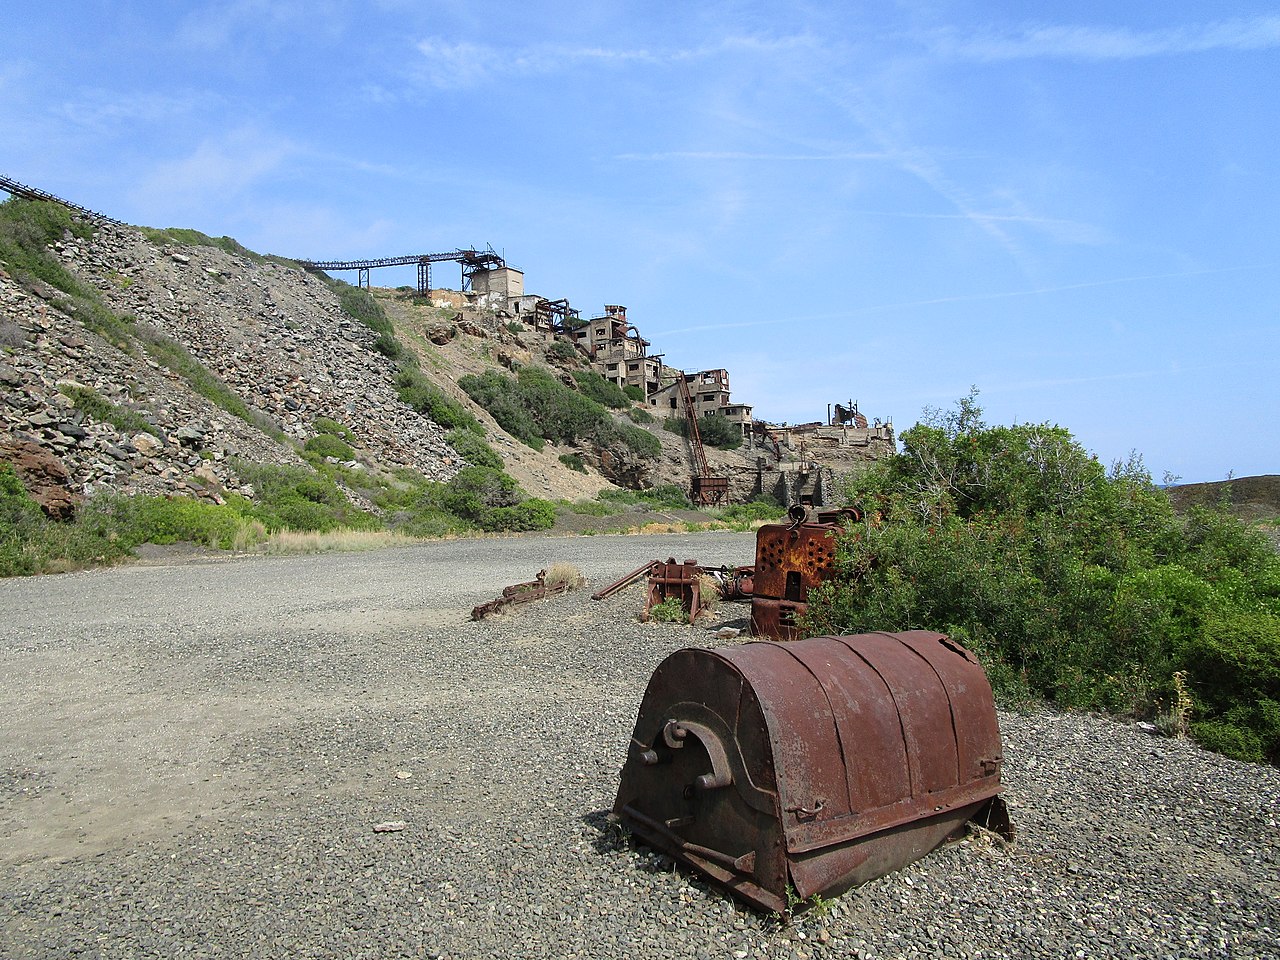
474	263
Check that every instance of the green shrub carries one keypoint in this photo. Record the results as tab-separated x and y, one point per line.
500	395
326	445
358	303
564	350
333	428
96	407
490	500
602	391
664	496
1070	583
299	498
715	430
183	236
474	449
640	415
748	513
573	461
634	393
669	610
427	399
535	406
28	228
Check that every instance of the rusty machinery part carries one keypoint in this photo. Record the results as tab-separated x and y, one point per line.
806	513
626	581
682	581
518	593
812	766
791	559
734	583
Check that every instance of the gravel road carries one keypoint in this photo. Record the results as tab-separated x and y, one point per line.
194	756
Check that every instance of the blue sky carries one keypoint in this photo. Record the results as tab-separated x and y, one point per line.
1072	207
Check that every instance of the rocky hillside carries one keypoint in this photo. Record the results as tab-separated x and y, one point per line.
156	361
259	350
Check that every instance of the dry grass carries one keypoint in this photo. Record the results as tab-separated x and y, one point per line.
559	573
708	593
290	541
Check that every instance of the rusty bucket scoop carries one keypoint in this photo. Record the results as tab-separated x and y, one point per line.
815	765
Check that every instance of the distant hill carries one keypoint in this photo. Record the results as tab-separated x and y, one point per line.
1250	498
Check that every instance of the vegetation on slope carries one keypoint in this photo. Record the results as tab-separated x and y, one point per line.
534	407
1071	583
716	431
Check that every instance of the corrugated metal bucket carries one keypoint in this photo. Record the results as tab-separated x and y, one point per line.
815	765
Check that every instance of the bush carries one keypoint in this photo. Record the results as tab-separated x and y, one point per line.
299	498
96	407
748	513
28	228
535	406
573	461
183	236
669	610
333	428
634	393
424	397
1070	583
602	391
325	445
492	501
473	448
715	430
564	350
501	396
640	415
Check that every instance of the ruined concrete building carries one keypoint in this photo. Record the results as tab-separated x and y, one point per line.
814	453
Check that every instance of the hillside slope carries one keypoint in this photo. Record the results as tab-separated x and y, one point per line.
255	351
161	362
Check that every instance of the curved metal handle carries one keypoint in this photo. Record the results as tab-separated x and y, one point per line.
721	775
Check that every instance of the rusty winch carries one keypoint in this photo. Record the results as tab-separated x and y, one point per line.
811	766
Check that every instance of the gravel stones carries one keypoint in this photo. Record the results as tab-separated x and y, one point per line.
196	757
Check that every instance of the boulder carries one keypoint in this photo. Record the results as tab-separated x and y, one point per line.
44	476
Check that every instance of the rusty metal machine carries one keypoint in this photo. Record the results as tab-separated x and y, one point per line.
791	559
815	765
518	593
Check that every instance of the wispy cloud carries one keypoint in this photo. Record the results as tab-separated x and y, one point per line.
213	170
1103	43
108	109
746	156
1071	231
218	26
449	64
964	298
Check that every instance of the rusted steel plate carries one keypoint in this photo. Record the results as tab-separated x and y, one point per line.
791	559
817	763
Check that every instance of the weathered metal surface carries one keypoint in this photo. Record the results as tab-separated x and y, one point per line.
792	559
623	582
818	764
518	593
682	581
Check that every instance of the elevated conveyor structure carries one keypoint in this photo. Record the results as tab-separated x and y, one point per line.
472	261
